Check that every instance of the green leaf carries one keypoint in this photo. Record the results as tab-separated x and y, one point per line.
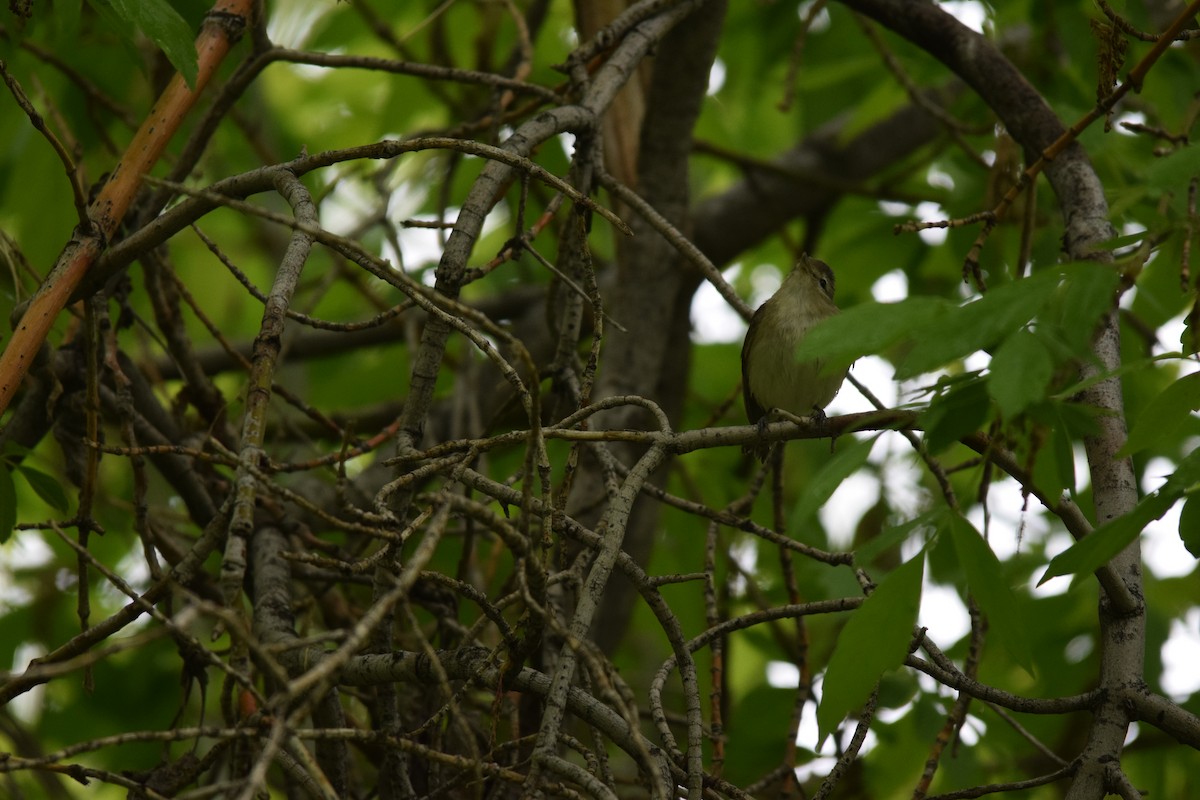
1172	173
897	689
1079	304
1189	524
16	449
955	413
874	641
1077	420
834	72
1019	373
8	504
1163	417
46	487
66	17
1099	546
979	324
869	328
890	537
1189	337
162	25
882	101
1117	242
821	487
1054	464
1186	477
985	578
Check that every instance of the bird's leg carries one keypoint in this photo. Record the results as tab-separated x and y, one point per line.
762	449
820	418
766	419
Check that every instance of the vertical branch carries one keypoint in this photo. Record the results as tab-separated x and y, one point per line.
263	363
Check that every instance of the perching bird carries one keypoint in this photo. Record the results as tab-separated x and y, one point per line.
771	375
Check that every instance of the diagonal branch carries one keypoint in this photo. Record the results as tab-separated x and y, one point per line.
221	29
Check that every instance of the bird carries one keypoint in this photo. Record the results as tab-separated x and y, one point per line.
772	377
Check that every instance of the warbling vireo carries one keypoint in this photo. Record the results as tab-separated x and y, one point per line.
771	375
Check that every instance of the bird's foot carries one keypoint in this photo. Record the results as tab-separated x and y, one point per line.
761	449
821	420
765	420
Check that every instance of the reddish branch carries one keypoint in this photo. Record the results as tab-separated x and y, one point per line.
222	27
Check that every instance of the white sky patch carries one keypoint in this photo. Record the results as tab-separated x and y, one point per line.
421	246
408	196
1082	470
1180	655
1130	229
917	391
853	498
1055	544
1162	549
134	570
891	287
972	730
28	707
939	179
567	142
745	554
944	614
1156	474
818	766
821	21
1132	117
1169	337
911	547
350	202
353	201
806	736
716	77
713	321
976	361
1007	523
26	550
901	482
1079	648
765	280
65	579
889	715
309	73
894	208
292	23
877	375
1127	298
969	12
782	675
357	465
931	212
